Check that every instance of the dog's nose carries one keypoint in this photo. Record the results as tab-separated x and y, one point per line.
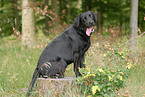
91	22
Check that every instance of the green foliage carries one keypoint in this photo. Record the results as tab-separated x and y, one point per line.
106	82
116	57
6	19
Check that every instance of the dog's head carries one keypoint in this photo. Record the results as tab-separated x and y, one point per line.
86	22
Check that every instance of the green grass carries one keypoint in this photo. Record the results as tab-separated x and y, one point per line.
17	66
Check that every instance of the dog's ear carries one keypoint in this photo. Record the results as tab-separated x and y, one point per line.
77	20
94	15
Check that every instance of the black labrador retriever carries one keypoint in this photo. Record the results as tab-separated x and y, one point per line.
67	48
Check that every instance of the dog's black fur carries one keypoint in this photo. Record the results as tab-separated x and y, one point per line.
67	48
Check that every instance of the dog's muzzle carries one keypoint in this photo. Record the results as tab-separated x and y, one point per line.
90	30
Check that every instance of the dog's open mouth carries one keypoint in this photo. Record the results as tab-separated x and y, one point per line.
89	30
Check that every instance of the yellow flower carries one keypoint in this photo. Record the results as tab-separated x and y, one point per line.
108	71
112	70
89	96
91	74
101	70
120	53
105	55
121	73
120	77
94	89
123	57
78	80
129	66
88	73
110	78
113	75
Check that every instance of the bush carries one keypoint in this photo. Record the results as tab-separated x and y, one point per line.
106	82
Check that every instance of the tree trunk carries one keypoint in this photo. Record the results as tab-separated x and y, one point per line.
89	5
69	3
17	21
79	4
121	24
84	5
61	87
46	32
28	25
55	10
60	10
99	18
134	26
2	3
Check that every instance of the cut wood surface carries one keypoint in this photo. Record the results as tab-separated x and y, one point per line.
55	87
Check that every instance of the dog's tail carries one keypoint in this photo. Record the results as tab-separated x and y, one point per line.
35	76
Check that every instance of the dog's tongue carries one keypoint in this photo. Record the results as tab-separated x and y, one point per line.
89	31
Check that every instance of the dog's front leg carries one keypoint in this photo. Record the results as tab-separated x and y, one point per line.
77	62
82	65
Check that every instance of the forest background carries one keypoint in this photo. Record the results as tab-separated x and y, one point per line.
50	14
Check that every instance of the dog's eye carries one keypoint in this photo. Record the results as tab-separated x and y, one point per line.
85	18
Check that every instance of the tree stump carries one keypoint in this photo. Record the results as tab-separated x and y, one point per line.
60	87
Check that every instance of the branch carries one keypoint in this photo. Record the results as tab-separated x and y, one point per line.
132	39
50	18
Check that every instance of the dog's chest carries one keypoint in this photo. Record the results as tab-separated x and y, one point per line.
84	46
